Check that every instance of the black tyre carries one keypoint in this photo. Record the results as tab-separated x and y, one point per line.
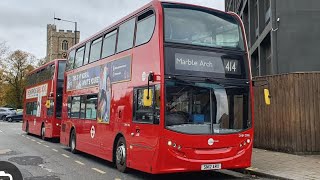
9	119
73	142
3	118
27	128
121	155
43	132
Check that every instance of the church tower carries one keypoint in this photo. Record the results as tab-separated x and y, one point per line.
58	42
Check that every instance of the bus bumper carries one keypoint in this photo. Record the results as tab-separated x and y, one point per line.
173	160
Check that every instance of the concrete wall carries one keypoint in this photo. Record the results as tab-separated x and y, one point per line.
298	36
292	41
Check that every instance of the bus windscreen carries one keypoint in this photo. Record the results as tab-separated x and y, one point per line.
202	28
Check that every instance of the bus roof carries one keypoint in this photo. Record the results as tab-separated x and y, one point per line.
48	63
153	2
113	25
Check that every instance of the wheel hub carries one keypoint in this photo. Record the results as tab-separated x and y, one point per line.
121	154
73	143
43	131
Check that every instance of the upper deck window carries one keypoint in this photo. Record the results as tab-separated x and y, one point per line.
71	59
86	54
95	51
109	44
145	27
41	75
79	57
126	34
201	27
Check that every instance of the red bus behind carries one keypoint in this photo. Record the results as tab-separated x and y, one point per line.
43	100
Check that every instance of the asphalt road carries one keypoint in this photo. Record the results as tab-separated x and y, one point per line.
38	159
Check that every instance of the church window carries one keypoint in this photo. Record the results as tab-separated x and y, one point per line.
64	45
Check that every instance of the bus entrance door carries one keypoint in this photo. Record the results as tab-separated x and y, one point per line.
142	145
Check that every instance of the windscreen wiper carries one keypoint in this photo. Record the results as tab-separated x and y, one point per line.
181	80
229	83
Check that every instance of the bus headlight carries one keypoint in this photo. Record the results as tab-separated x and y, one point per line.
174	145
245	143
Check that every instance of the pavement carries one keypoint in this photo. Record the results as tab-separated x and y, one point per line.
278	165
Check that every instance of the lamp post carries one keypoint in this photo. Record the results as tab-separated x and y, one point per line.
75	27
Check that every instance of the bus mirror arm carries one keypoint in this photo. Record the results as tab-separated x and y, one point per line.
260	83
150	78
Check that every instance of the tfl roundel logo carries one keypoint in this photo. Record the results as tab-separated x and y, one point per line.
210	141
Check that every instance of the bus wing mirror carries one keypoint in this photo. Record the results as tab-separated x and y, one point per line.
151	77
267	96
48	104
147	97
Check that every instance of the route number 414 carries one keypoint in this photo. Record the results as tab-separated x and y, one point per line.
231	66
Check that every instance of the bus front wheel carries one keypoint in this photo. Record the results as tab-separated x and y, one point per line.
73	142
121	156
27	128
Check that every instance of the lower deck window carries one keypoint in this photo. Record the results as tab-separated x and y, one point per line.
83	107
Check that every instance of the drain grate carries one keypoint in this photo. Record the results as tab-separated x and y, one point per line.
27	160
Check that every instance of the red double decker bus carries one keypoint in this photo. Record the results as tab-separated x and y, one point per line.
166	89
43	100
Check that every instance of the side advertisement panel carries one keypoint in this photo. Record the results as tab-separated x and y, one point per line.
103	76
37	92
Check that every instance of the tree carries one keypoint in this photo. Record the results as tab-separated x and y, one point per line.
42	61
15	68
3	48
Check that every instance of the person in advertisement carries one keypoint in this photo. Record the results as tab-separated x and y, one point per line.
104	95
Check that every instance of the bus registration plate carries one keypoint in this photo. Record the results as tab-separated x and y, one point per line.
210	166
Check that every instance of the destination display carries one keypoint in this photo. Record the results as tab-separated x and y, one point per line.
189	62
118	70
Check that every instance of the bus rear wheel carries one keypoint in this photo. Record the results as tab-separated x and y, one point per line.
73	142
121	155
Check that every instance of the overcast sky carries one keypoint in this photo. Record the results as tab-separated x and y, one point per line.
23	23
